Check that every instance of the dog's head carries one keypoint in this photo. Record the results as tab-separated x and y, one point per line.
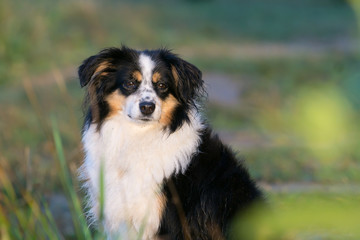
146	87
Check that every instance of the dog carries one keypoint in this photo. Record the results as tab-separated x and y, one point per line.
165	173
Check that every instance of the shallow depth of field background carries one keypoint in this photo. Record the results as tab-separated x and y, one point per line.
283	79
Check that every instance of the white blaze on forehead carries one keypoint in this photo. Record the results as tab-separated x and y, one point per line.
146	91
147	66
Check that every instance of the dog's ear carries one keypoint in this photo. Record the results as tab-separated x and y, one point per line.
188	78
92	68
104	63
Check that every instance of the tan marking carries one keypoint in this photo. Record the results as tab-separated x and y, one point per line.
167	110
214	231
162	203
156	77
92	96
175	74
99	70
137	75
116	102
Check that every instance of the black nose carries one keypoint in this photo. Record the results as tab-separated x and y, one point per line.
147	108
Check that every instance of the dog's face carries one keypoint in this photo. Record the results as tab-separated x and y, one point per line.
146	87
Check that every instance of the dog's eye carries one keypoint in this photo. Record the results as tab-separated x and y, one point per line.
162	86
130	84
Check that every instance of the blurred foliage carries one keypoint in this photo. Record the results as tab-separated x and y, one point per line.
27	215
38	35
302	216
298	100
306	111
297	115
301	98
324	216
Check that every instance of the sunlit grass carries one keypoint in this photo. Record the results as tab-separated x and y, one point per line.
24	215
323	216
79	222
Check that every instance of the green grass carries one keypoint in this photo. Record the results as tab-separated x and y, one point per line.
26	215
298	112
79	221
26	125
287	216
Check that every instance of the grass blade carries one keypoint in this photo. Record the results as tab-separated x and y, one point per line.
80	225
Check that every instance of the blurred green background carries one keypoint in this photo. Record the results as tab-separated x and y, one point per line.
283	79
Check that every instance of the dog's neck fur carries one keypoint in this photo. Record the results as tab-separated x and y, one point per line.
136	159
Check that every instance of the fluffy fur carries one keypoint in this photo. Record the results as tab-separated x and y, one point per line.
164	171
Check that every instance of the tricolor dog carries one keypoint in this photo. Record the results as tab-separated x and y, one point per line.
166	174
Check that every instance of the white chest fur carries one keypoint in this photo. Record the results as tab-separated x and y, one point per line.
136	159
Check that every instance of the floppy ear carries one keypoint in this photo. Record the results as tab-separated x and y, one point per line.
188	78
92	68
103	63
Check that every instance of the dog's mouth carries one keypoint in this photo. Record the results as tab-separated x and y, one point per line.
142	119
145	119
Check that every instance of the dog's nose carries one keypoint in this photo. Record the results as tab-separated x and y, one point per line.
147	108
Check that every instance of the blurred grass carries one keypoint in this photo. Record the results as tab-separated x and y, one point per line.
305	110
296	119
26	215
302	216
60	33
79	221
275	92
293	216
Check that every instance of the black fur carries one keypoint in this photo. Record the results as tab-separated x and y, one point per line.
210	193
120	63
